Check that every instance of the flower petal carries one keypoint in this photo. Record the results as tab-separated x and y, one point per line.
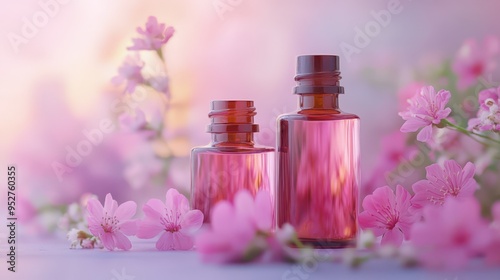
191	221
96	229
220	215
402	199
369	221
413	124
129	227
165	242
126	210
108	204
425	134
122	242
244	204
177	202
392	237
215	248
154	209
469	170
108	241
182	242
95	209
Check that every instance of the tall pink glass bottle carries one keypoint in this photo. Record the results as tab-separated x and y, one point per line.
318	159
231	162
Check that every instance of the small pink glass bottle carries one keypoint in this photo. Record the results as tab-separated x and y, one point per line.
231	162
318	159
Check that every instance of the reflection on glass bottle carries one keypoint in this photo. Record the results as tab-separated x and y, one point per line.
318	159
231	162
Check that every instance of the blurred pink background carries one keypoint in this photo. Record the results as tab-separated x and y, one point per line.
58	82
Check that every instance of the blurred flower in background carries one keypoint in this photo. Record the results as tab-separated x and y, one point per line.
474	60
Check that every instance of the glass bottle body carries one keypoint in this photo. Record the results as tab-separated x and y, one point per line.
218	173
318	172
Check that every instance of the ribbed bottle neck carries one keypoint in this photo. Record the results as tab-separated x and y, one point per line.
232	123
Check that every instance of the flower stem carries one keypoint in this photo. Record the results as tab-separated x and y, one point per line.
160	53
469	133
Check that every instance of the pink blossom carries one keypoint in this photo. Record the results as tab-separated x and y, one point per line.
174	219
449	235
112	223
488	116
493	250
425	109
233	234
473	61
388	215
154	36
441	183
130	73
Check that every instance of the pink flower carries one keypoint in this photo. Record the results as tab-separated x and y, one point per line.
473	61
488	116
112	223
388	215
154	36
493	250
441	183
449	235
233	235
130	73
426	109
174	219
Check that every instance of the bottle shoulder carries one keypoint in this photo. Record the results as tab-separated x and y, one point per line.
232	150
318	115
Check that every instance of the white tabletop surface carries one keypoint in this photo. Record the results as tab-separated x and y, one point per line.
52	259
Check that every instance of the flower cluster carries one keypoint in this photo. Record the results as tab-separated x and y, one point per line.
441	217
144	83
242	231
154	36
83	239
488	115
473	61
74	223
441	220
111	224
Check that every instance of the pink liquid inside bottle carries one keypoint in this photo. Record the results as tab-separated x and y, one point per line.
231	162
318	159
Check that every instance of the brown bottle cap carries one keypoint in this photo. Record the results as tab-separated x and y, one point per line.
315	64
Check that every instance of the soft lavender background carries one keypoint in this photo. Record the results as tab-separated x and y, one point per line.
58	83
